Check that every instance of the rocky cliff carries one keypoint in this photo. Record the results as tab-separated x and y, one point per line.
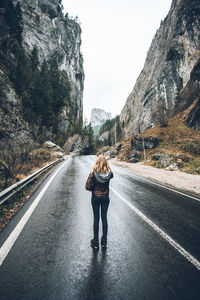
98	118
170	80
54	35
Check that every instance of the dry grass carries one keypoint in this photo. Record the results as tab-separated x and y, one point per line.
177	131
37	160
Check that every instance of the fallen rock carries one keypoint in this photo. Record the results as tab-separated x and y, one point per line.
111	153
77	145
106	148
197	170
51	146
56	151
118	147
57	154
148	142
134	156
156	156
165	161
173	167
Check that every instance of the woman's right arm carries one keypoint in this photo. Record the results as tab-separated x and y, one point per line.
90	183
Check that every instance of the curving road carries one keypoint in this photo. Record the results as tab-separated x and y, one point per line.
153	242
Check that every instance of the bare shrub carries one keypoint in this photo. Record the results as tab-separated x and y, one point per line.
14	155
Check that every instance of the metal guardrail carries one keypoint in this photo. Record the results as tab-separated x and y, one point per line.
11	190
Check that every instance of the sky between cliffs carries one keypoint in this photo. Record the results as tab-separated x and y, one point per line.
116	35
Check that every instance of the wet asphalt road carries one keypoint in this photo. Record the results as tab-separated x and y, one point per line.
52	257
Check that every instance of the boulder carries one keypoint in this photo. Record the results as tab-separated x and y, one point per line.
51	146
106	148
156	156
165	161
197	170
118	147
57	154
172	167
55	150
148	142
108	154
171	162
134	156
77	145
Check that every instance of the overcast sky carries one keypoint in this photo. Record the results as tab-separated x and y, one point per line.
116	35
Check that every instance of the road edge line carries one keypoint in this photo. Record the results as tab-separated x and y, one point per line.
159	184
172	242
6	247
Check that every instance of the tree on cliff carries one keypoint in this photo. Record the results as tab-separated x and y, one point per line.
88	131
60	86
42	94
14	18
34	59
114	132
90	137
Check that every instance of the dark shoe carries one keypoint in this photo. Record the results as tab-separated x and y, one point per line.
103	243
94	244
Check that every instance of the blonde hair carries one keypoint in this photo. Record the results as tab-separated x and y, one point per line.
101	165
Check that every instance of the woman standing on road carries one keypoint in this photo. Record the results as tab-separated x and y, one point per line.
98	183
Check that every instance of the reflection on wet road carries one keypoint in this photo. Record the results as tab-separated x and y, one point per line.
52	257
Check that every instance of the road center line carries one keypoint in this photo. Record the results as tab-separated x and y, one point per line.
174	244
4	250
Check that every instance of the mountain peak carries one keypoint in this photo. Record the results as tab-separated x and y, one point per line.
99	117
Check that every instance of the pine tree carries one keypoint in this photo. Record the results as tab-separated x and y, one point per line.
42	94
19	22
34	59
22	77
14	19
118	130
60	86
90	137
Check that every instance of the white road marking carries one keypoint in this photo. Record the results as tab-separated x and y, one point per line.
4	250
174	244
162	186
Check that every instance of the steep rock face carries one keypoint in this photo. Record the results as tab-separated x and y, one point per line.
46	27
193	119
54	35
170	79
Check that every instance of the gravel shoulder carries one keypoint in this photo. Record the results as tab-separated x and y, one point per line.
180	180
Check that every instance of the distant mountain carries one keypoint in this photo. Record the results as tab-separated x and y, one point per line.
98	118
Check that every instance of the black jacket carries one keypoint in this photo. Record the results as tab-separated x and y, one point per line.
98	183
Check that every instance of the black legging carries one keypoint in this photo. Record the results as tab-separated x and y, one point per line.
96	203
